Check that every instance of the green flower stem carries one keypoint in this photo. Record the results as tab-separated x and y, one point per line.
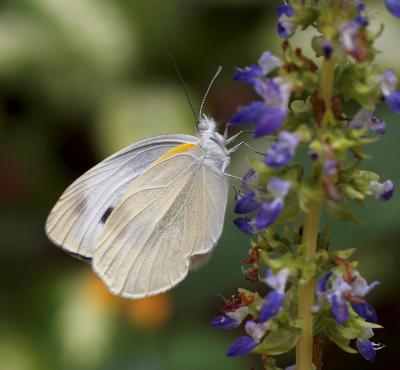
304	348
327	83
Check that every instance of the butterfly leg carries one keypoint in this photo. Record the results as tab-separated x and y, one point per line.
224	167
226	132
237	147
233	138
237	193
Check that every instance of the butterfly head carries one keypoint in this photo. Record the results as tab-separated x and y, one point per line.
206	124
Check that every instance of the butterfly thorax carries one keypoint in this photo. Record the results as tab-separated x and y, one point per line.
212	143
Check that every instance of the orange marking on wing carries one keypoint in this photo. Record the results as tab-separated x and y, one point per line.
179	149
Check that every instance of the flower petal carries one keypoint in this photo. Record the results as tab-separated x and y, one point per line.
284	10
389	82
249	114
366	311
382	191
244	226
225	322
268	213
256	331
248	74
271	305
277	281
394	7
268	62
330	167
278	188
366	349
268	122
339	308
322	283
247	203
393	101
285	29
242	346
282	150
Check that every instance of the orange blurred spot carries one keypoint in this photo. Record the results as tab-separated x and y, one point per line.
151	312
95	291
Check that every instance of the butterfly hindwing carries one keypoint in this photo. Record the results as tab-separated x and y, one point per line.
166	224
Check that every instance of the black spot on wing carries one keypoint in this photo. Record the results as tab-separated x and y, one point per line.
106	215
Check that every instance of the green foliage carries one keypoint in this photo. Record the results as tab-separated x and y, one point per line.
278	342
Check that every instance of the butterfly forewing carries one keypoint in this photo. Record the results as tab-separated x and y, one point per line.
80	215
167	223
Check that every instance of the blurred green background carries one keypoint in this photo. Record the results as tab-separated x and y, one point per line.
80	79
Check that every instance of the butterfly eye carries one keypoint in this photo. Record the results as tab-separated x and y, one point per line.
203	125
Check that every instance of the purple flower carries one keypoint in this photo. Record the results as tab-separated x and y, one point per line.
256	331
224	322
349	32
242	346
282	150
268	213
249	175
330	167
366	349
337	299
248	74
247	203
230	320
275	92
360	287
246	344
337	291
366	311
287	10
388	82
322	292
367	119
267	120
268	115
361	18
268	210
394	7
339	308
245	226
266	64
272	303
285	29
393	101
278	188
388	87
360	6
382	191
322	283
377	125
277	281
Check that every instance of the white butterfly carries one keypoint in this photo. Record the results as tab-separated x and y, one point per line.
148	214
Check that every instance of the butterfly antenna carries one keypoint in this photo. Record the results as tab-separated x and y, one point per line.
184	85
219	69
